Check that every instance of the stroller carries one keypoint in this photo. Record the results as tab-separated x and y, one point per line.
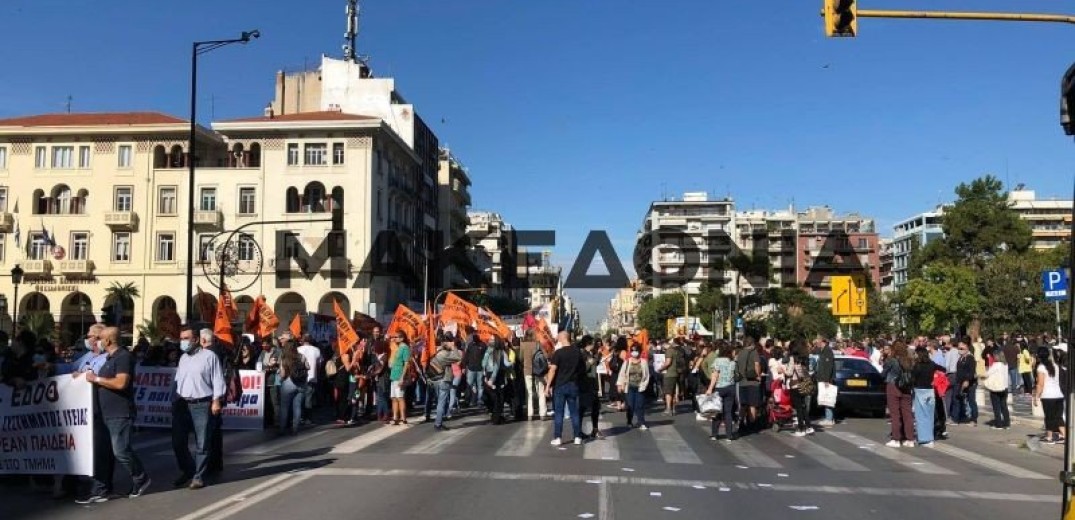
781	413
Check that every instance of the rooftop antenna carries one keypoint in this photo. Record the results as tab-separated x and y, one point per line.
69	100
350	43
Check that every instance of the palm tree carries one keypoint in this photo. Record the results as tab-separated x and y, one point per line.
40	323
122	295
152	331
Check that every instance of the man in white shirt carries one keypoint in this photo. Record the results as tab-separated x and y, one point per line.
312	355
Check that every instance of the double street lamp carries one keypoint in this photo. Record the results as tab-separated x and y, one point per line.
197	49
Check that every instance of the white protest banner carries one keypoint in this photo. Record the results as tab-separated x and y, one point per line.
46	427
153	396
249	412
153	400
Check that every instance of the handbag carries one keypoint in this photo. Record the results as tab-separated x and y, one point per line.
826	394
710	404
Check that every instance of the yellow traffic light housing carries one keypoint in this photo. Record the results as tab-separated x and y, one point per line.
841	18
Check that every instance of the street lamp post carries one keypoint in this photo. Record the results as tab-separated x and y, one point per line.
197	49
81	314
3	305
16	279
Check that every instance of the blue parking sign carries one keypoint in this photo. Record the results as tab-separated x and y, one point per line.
1055	284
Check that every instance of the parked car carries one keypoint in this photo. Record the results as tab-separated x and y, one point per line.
859	385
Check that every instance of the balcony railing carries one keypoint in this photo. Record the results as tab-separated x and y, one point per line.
37	267
122	220
76	267
209	218
7	221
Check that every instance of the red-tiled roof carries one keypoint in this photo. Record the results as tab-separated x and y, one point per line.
93	119
303	116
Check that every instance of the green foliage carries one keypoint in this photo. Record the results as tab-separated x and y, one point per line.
945	296
1012	282
799	315
653	314
981	224
709	299
151	330
881	319
40	323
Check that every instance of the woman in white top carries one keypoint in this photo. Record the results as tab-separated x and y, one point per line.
1049	395
777	368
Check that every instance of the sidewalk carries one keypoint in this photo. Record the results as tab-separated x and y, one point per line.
1022	414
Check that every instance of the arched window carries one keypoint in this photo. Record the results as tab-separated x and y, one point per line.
238	156
175	157
254	156
78	206
41	203
160	157
313	198
336	201
61	200
291	202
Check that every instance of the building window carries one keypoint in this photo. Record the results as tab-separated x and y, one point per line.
3	199
337	153
291	245
166	247
125	156
121	246
864	243
166	200
292	154
80	245
39	247
205	249
83	157
3	158
247	201
246	249
63	156
208	199
39	157
316	154
124	198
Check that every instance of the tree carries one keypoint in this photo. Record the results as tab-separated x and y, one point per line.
1014	300
122	295
151	330
40	323
799	315
881	319
945	296
653	314
981	223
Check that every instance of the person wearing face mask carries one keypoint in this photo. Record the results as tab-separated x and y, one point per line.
632	381
95	355
198	397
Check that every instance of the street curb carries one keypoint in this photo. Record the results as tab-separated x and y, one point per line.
1033	443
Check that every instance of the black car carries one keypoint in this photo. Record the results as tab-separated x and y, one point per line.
860	386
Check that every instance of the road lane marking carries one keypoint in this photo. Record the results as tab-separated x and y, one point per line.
366	439
605	449
604	502
275	445
674	450
898	456
664	482
238	498
750	456
819	453
439	441
986	462
524	442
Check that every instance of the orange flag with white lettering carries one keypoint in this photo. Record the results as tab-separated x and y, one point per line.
502	328
345	332
408	322
296	326
458	310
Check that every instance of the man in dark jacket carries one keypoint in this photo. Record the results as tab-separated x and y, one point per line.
826	373
472	361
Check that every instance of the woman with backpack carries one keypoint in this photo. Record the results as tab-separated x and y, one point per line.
899	381
294	374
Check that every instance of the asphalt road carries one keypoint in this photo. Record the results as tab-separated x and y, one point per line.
477	471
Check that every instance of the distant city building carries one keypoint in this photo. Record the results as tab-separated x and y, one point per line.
454	200
772	233
815	226
623	309
1049	219
910	235
493	252
695	222
885	254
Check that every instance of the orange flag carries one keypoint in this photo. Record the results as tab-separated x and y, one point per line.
502	328
296	326
229	304
222	323
408	322
431	335
544	335
267	320
345	332
642	338
486	332
458	310
250	324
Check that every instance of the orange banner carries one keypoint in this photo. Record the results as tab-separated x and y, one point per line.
222	323
458	310
250	324
229	304
502	328
345	333
296	326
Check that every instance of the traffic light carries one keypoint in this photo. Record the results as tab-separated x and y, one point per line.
841	18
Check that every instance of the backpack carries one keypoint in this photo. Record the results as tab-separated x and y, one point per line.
300	372
904	380
746	369
540	363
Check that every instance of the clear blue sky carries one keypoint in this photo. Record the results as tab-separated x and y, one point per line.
574	115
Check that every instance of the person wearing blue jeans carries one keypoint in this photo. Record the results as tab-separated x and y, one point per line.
291	401
565	367
187	417
566	395
199	395
453	406
476	386
924	408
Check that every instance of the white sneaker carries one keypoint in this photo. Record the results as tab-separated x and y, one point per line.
908	444
578	440
800	434
893	444
809	431
928	444
643	427
700	417
556	442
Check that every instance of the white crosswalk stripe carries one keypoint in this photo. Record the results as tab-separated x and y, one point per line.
367	439
986	462
523	442
900	457
605	449
748	455
439	442
673	448
819	453
278	444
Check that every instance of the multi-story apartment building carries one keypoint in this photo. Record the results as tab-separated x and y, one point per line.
817	250
97	199
909	235
623	309
453	199
494	252
693	223
773	234
886	257
1049	219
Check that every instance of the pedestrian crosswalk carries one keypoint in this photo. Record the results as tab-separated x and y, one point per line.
682	443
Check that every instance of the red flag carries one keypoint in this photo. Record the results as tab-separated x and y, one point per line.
528	321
